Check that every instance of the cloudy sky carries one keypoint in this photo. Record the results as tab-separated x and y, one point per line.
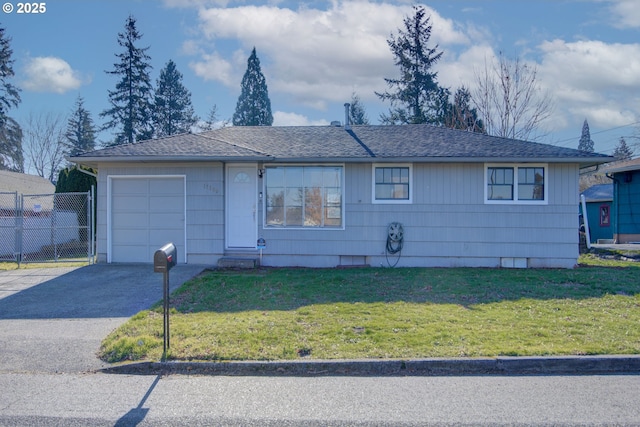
315	54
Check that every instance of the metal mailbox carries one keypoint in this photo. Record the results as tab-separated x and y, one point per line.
165	258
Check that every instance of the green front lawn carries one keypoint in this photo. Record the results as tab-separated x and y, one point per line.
275	314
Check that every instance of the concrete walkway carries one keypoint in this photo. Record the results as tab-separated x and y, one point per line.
617	247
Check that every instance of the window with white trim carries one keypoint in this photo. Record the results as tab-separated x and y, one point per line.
304	196
525	184
392	183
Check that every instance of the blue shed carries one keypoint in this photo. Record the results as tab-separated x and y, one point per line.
625	215
599	201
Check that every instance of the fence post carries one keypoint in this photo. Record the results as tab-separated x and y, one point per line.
54	228
91	223
19	227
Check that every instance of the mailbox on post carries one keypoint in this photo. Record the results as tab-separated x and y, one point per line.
165	258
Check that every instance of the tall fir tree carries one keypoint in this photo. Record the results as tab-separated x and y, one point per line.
357	113
130	112
81	132
172	109
586	143
461	115
253	107
415	96
622	150
11	156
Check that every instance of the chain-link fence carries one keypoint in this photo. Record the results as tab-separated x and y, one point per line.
8	225
46	227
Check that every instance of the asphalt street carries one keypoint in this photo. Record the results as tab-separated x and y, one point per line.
52	322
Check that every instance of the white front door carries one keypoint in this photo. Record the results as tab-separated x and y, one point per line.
242	206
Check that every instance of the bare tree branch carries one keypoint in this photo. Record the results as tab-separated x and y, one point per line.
509	100
44	143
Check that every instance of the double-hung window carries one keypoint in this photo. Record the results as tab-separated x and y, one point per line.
304	196
392	183
524	184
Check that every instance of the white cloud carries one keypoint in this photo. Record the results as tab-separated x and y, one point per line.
214	67
281	118
462	69
626	13
50	74
593	79
315	56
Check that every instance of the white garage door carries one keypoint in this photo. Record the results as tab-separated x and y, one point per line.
146	213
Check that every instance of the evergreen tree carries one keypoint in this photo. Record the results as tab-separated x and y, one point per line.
11	156
461	115
416	96
622	151
586	143
212	120
130	111
71	180
357	113
80	132
172	109
253	107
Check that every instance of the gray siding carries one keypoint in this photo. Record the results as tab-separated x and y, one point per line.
447	224
204	206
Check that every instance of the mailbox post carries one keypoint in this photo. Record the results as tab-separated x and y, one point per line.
163	260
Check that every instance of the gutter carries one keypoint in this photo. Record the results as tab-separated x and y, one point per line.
95	175
319	159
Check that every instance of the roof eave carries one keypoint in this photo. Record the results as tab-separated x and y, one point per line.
163	159
94	161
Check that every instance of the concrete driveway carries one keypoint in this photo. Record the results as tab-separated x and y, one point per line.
53	319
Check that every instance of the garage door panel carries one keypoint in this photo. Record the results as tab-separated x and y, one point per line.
166	203
158	240
166	221
130	203
146	213
130	236
166	186
125	218
134	253
130	186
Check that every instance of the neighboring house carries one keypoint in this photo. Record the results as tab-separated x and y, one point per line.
324	196
599	202
24	184
625	215
20	183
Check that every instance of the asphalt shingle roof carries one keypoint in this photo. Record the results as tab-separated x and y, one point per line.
623	166
24	184
360	143
598	192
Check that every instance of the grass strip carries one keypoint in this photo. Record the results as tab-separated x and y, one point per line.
284	314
